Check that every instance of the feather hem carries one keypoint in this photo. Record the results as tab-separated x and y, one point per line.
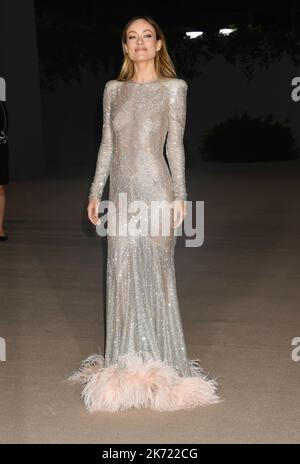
134	383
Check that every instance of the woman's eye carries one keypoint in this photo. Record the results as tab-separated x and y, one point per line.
134	37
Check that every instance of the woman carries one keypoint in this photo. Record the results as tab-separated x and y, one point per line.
145	362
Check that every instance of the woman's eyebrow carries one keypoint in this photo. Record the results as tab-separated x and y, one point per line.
143	31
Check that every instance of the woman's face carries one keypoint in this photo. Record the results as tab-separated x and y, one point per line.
141	43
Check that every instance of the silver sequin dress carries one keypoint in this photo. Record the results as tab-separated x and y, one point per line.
145	362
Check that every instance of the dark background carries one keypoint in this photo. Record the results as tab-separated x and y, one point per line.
57	55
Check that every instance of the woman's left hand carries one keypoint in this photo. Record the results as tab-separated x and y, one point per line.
179	212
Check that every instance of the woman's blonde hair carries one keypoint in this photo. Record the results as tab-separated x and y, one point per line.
162	61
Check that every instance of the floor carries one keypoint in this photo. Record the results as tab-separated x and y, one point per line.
239	299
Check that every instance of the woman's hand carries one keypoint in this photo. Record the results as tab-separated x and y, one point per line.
179	212
93	211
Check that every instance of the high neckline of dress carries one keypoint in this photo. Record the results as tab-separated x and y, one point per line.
144	83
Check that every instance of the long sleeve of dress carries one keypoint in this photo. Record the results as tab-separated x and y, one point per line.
105	151
174	147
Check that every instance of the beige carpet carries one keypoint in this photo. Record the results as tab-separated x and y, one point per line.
239	298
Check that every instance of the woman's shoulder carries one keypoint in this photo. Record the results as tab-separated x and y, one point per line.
176	82
176	87
111	83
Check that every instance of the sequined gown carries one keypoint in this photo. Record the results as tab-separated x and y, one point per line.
145	362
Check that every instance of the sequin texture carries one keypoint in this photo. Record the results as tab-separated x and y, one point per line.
145	362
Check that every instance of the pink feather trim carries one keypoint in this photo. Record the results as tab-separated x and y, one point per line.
135	383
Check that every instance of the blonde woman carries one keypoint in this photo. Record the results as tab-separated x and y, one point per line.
145	362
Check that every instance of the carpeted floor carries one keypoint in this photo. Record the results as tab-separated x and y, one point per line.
239	299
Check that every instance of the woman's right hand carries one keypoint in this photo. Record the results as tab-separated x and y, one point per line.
93	211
